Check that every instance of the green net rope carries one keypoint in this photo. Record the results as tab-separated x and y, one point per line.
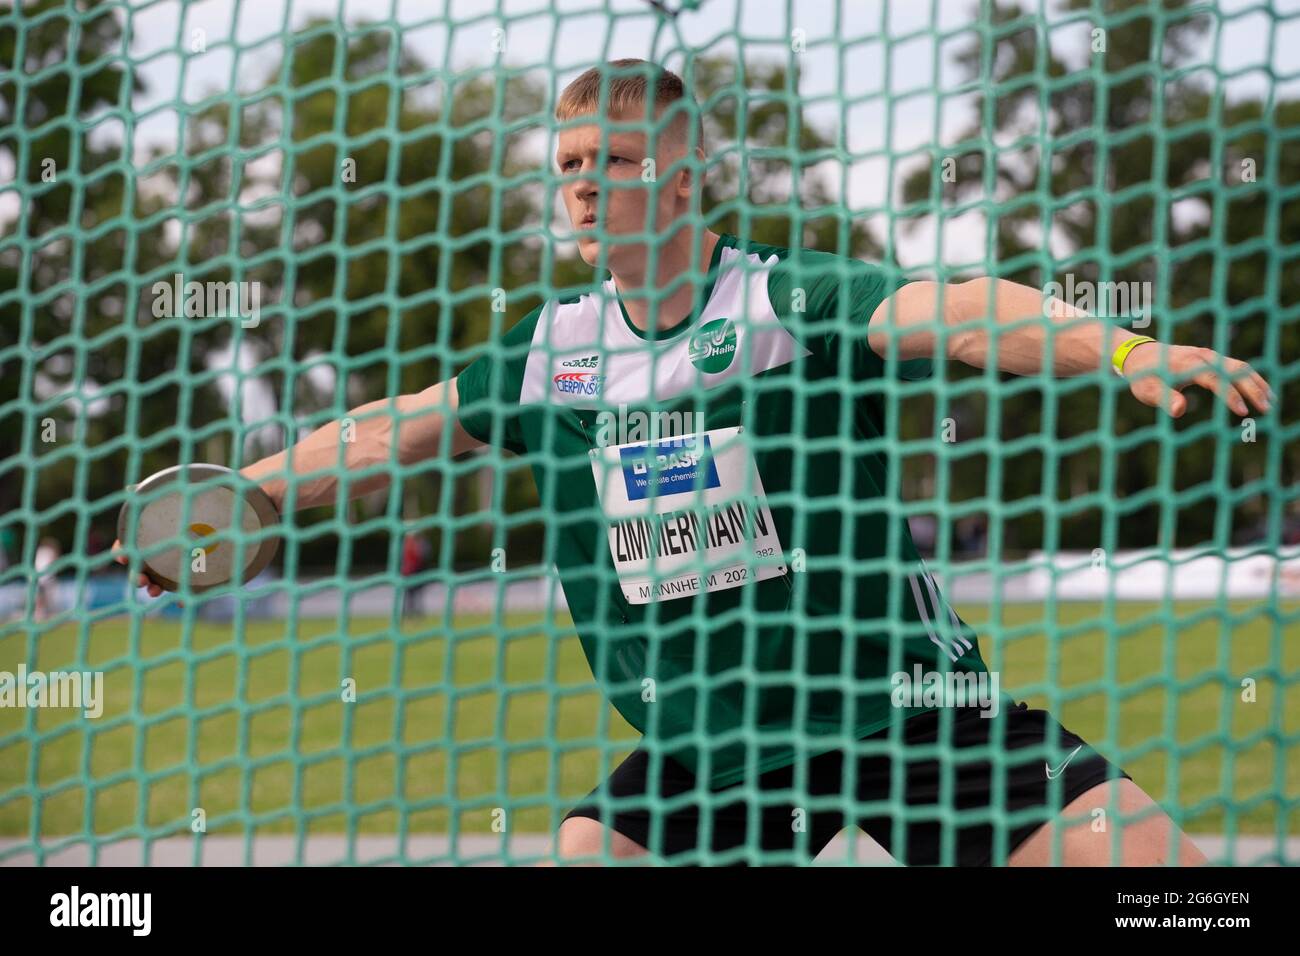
386	184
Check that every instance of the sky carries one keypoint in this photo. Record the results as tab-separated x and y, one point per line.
881	69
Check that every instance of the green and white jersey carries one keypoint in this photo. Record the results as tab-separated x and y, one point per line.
715	506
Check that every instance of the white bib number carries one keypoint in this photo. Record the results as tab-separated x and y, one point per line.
686	515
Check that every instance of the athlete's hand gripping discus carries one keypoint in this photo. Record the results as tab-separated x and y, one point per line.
214	494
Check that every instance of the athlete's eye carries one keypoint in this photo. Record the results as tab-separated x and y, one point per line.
572	165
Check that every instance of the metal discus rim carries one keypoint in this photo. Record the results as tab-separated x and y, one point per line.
254	496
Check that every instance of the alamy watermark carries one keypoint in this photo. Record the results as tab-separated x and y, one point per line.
75	689
77	908
1104	300
180	299
922	688
625	427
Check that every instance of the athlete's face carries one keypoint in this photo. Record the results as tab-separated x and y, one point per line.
630	188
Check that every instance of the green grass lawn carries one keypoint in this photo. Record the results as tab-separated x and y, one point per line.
252	728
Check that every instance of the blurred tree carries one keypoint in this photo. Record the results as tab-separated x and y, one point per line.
76	260
391	218
770	158
1134	167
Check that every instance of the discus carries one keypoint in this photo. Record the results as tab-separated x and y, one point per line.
217	498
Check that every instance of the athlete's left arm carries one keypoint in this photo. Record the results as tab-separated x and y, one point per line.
907	325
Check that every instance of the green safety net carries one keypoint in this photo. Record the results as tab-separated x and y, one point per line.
368	204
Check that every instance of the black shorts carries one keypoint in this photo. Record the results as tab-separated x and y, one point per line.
959	809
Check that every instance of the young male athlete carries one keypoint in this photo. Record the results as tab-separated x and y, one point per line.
707	439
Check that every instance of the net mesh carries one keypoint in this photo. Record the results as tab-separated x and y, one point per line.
225	225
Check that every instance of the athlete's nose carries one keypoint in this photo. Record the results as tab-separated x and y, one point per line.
586	190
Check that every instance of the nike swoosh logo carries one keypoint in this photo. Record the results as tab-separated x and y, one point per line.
1053	774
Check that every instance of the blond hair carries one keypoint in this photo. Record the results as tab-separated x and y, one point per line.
627	96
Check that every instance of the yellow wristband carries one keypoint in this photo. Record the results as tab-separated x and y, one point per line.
1121	353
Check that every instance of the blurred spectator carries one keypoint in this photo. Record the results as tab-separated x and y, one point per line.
924	528
47	583
415	555
1260	531
972	536
8	546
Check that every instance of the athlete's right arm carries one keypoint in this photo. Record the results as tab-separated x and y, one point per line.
412	425
415	424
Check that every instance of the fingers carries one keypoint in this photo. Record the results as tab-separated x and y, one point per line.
1263	382
1237	384
1251	385
1149	390
142	580
1242	388
151	586
1213	383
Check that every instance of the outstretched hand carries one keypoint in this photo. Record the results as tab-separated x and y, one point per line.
1187	365
143	581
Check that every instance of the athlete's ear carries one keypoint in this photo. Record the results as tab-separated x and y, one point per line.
691	179
688	182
